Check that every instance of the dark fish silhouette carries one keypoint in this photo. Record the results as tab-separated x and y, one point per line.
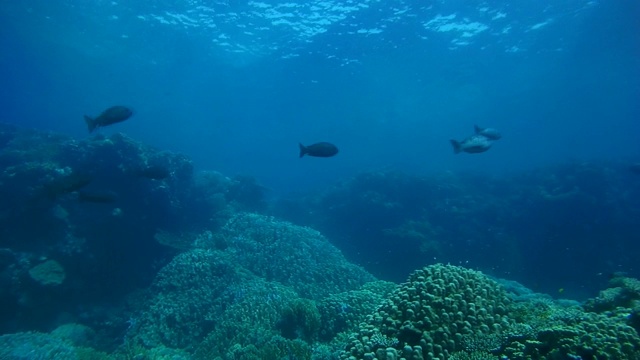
489	133
154	172
67	184
112	115
321	149
100	197
473	144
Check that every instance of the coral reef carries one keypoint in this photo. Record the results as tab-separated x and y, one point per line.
594	337
209	299
433	313
564	330
90	204
138	256
78	334
186	299
257	314
623	292
576	217
295	256
40	346
343	312
448	312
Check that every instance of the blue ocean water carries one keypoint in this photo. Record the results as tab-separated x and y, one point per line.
235	85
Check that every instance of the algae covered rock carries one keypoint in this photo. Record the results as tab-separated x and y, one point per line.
48	273
77	334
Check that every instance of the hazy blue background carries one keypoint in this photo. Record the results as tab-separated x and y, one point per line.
236	85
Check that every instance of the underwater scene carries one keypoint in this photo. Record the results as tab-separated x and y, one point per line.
320	180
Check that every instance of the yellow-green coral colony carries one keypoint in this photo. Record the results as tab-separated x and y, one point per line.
436	309
446	312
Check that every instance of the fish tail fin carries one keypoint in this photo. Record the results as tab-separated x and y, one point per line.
477	129
303	149
90	123
456	146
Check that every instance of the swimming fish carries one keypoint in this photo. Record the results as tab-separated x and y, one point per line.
473	144
489	133
99	197
67	184
112	115
321	149
154	172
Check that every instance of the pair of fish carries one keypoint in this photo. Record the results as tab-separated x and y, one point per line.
76	181
116	114
479	142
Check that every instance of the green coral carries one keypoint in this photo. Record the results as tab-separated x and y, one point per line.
447	312
435	309
540	313
131	351
623	291
35	346
295	256
40	346
300	320
276	348
343	312
187	298
596	337
473	355
560	331
211	299
251	313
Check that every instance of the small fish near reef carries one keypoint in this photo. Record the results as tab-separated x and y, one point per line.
321	149
112	115
473	144
489	133
97	197
67	184
154	172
